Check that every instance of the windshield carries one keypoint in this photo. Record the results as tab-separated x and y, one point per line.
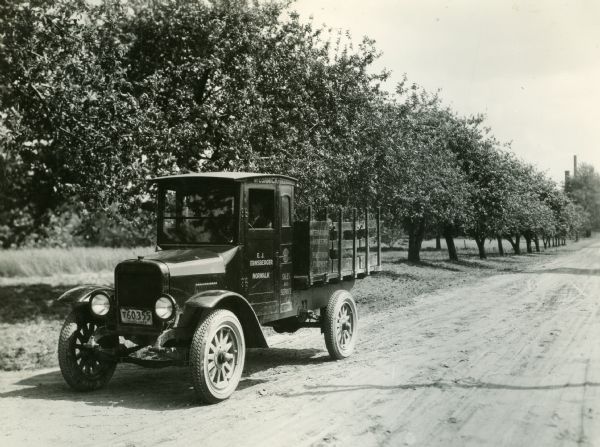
201	213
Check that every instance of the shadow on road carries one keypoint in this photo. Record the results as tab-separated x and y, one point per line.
396	275
329	389
430	264
263	359
156	389
568	271
23	303
454	266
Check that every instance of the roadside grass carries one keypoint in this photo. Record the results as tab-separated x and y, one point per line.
30	320
43	262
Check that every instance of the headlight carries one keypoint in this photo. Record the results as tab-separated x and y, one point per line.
163	308
100	304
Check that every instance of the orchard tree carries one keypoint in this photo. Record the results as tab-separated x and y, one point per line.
65	107
555	200
421	185
97	98
487	173
258	90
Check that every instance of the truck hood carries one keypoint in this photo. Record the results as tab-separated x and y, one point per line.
195	261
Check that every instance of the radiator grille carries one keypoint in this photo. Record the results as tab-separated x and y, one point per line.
138	285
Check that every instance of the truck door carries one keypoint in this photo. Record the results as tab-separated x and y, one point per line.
261	236
284	266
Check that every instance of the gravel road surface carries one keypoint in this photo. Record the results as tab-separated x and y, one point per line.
513	359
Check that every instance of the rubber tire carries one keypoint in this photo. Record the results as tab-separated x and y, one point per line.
336	301
207	327
68	365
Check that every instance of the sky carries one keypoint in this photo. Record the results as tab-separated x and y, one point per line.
532	67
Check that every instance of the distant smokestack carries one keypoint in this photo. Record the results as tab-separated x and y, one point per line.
574	165
566	178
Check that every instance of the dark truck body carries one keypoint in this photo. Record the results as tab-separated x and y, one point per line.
266	269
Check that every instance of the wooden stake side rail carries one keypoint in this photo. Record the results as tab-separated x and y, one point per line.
336	249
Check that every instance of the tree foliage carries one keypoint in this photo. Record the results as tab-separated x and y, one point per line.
584	189
98	97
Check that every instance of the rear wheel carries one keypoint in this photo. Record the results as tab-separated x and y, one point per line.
217	355
340	325
82	368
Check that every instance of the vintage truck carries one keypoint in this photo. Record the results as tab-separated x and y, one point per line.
229	258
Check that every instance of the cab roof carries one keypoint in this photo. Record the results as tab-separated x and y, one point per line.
233	176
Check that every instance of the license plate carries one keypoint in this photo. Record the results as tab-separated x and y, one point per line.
136	316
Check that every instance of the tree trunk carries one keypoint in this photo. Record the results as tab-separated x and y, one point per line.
536	239
544	240
438	242
528	242
512	243
481	247
415	237
500	247
449	237
515	244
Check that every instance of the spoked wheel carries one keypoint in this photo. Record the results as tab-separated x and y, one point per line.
82	368
340	325
217	356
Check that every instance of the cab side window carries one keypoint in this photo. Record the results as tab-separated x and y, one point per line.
261	204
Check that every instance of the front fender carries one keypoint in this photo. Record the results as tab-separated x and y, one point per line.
80	295
236	303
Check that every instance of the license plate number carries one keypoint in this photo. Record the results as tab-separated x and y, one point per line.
136	316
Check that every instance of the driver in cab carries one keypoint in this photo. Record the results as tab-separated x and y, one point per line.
259	217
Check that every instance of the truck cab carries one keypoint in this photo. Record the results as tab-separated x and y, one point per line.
248	213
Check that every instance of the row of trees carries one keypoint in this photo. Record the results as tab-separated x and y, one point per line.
95	98
447	174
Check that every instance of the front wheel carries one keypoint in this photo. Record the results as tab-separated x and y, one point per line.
340	325
81	367
217	356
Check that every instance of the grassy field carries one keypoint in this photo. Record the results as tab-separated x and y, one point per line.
51	262
30	281
43	262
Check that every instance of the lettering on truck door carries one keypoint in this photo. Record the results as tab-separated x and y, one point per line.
260	250
285	270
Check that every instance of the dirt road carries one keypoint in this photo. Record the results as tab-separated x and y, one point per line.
513	360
